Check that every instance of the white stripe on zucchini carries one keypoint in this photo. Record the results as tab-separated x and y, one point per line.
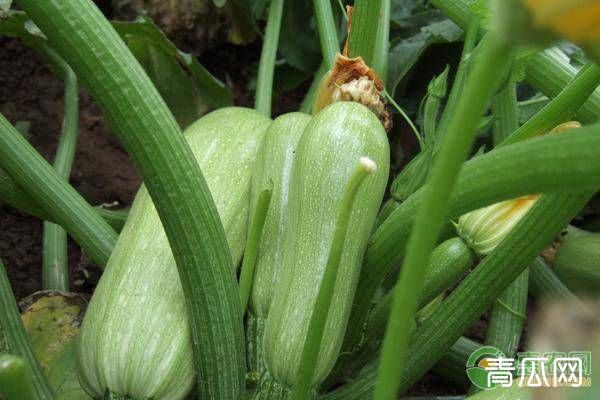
135	339
325	159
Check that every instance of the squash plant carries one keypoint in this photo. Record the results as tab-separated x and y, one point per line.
340	294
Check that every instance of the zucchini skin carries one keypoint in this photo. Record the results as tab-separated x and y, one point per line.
135	338
577	263
328	153
273	169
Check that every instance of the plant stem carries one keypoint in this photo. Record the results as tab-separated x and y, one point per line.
14	196
382	43
252	246
330	44
266	68
494	56
562	107
452	365
312	345
56	197
150	134
15	380
508	316
55	262
551	163
469	45
546	286
10	322
505	110
366	19
548	71
429	342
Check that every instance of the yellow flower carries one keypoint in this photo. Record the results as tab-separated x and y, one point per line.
576	20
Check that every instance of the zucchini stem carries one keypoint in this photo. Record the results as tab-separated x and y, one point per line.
266	68
55	196
312	345
253	245
365	29
11	194
562	107
455	146
15	380
12	326
55	263
330	43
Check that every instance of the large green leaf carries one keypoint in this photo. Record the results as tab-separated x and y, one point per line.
299	44
404	53
188	88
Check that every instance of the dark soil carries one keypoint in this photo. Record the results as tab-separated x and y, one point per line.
102	172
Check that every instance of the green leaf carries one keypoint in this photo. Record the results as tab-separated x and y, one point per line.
188	88
52	324
404	54
299	44
219	3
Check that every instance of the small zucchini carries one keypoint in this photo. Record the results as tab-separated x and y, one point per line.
135	339
327	155
577	263
272	170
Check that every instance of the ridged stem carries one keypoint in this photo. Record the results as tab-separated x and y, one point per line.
252	246
55	262
328	35
549	71
312	344
545	286
366	22
382	41
505	111
14	196
562	108
12	327
266	67
148	131
452	365
455	145
56	197
552	163
508	316
545	220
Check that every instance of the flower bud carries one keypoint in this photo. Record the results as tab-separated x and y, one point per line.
485	228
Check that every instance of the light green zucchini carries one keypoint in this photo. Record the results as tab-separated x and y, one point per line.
272	170
577	263
327	155
135	338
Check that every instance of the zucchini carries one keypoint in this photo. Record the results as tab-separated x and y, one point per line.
577	263
327	155
272	170
135	339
